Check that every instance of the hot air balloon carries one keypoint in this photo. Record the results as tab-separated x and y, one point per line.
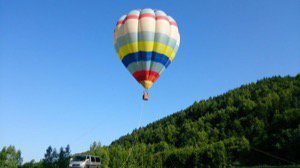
146	42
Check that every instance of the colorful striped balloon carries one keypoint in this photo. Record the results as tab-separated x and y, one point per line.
146	42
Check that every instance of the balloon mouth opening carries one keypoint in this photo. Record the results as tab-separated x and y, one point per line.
146	84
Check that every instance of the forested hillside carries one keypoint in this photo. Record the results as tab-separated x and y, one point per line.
256	124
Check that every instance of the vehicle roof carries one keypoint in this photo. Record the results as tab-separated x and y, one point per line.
85	155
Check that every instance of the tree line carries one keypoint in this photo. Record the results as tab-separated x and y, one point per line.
255	124
10	157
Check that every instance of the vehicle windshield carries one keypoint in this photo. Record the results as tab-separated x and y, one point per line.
79	158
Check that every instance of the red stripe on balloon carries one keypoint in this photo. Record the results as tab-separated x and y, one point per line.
145	15
162	18
119	22
146	75
174	24
130	17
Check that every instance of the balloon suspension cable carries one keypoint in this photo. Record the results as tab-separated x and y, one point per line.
136	137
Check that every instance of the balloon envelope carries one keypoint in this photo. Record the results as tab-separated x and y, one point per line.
146	42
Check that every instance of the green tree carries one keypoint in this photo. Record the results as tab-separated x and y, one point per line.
10	157
64	156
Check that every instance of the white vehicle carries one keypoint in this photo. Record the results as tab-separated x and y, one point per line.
85	161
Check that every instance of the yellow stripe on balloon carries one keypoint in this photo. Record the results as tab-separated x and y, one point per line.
147	84
147	46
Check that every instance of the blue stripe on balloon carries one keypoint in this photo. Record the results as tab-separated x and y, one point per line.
146	56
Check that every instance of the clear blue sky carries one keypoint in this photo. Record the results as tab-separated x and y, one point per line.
61	81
